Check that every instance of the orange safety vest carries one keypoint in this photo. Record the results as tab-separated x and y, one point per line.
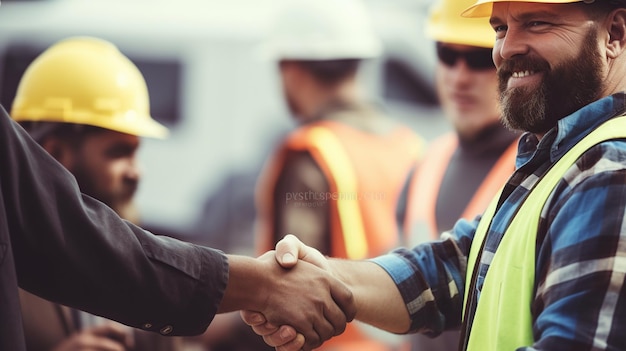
367	174
420	222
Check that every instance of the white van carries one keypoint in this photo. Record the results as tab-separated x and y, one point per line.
221	102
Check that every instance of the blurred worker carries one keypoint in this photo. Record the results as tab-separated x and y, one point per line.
464	169
335	181
71	101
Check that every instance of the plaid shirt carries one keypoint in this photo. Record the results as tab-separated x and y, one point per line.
580	296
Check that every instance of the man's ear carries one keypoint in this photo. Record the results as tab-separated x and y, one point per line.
617	33
59	149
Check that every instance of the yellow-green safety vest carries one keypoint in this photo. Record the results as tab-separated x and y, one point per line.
503	319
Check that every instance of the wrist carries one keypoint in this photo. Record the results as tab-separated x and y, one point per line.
247	285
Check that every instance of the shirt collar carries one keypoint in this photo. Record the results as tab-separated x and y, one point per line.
571	129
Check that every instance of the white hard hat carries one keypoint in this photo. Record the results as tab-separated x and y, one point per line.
322	30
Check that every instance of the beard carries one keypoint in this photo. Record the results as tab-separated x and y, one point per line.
118	198
564	89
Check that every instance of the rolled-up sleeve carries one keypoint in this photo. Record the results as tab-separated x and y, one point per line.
430	277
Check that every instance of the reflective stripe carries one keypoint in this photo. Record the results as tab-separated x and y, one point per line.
342	171
425	186
399	151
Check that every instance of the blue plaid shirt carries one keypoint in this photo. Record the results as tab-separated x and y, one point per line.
580	296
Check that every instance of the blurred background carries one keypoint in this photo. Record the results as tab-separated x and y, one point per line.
219	97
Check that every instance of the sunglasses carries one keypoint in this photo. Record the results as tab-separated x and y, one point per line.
478	59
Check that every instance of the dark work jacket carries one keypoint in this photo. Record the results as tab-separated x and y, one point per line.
72	249
47	324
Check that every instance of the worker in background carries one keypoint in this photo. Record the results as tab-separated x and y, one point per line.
336	179
464	169
70	100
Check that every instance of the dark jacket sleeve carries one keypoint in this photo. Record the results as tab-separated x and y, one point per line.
72	249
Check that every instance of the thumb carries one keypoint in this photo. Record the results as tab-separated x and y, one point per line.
290	249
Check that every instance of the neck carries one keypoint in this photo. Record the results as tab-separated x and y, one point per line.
493	137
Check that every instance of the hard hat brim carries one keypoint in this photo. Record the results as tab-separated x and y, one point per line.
482	8
142	127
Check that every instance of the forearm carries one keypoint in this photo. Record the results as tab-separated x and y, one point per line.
378	301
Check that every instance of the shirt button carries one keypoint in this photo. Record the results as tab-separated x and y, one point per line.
166	330
147	325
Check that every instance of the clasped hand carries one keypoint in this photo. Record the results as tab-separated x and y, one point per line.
305	333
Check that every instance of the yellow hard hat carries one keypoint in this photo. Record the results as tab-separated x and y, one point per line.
482	8
445	24
85	80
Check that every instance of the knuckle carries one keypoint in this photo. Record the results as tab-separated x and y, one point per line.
339	329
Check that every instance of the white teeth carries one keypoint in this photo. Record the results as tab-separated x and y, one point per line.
522	74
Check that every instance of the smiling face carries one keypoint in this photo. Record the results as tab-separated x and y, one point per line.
549	62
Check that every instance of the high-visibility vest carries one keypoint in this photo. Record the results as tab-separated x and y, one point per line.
420	222
503	319
367	173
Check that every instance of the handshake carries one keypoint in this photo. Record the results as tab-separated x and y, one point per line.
293	305
296	298
321	307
